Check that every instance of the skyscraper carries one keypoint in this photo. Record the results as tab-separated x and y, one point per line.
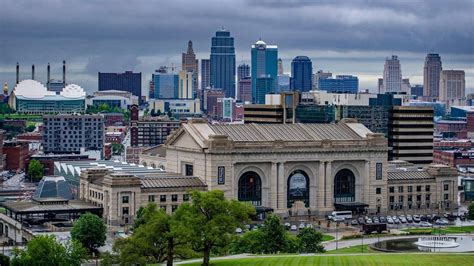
452	87
341	84
205	73
128	81
318	76
164	84
280	67
189	63
222	69
185	85
264	70
431	74
243	71
301	71
392	75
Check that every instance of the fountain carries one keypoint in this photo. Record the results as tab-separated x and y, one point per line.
453	243
437	242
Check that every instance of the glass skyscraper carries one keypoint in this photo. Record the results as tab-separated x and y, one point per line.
341	84
223	63
264	70
165	85
128	81
301	73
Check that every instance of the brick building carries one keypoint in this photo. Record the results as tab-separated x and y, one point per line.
17	155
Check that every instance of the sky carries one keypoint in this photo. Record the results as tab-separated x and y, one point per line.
343	37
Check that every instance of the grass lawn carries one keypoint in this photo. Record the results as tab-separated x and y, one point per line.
372	259
446	230
327	237
352	250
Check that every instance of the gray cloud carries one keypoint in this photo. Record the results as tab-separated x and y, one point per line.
341	36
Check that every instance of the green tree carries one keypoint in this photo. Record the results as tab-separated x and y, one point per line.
250	242
310	241
35	170
30	128
108	259
4	260
211	219
274	234
90	231
117	148
470	214
157	237
45	250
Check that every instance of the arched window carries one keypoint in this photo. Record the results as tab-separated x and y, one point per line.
344	186
144	164
298	188
250	188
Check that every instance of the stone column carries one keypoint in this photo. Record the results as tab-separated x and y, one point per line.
281	197
273	184
319	194
365	183
328	186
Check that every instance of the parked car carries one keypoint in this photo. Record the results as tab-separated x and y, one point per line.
361	220
416	218
309	225
425	224
442	221
389	220
409	218
293	227
403	219
354	222
368	221
397	221
301	226
382	219
287	225
338	219
238	230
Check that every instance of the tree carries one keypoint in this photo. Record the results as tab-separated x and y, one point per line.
470	214
108	259
4	260
170	114
117	148
35	170
90	231
274	234
211	219
251	241
157	237
45	250
30	128
310	241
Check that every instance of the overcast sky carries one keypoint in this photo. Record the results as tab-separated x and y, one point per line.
344	37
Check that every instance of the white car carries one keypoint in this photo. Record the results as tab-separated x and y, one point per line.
293	227
238	230
442	221
390	220
302	226
309	226
425	224
338	219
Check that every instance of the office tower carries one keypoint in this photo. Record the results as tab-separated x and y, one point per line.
392	75
280	67
417	90
452	87
164	85
406	87
223	63
71	133
319	76
212	101
189	63
410	134
245	90
264	70
431	73
205	73
301	71
340	84
243	71
283	83
128	81
185	85
380	85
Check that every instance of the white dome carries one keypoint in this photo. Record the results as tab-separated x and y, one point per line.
29	88
260	42
73	91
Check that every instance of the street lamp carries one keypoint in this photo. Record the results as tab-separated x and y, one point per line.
337	227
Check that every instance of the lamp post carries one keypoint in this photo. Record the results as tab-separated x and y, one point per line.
337	227
362	245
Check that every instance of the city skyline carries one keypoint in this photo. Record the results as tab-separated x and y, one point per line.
92	43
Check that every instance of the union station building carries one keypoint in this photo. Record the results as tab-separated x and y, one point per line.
292	169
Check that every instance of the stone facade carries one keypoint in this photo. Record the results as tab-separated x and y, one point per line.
225	155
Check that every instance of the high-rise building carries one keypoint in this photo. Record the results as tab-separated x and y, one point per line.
205	73
283	83
452	87
319	76
392	75
127	81
406	86
223	62
280	67
245	90
71	133
185	85
301	71
264	70
340	84
164	85
212	101
410	134
189	63
431	73
417	90
243	71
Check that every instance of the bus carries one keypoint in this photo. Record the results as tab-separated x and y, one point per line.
341	215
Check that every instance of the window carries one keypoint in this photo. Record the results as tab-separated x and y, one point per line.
185	197
427	197
151	198
162	198
427	188
410	198
378	171
174	197
391	189
446	196
446	187
418	188
410	189
400	189
392	199
400	199
125	211
174	207
418	197
378	190
163	207
124	199
188	169
220	175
